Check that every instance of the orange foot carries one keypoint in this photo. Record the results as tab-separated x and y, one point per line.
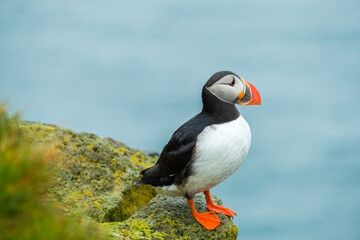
221	209
216	208
209	220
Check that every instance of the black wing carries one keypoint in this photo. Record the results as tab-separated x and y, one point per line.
177	153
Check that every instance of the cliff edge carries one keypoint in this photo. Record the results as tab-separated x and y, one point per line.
92	177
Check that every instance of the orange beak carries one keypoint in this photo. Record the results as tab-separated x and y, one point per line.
250	95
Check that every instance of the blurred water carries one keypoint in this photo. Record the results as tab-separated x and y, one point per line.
134	70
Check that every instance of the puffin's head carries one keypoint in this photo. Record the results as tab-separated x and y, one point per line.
230	88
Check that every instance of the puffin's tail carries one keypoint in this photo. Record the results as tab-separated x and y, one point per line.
141	181
156	181
137	183
153	177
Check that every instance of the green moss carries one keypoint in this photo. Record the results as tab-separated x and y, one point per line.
134	199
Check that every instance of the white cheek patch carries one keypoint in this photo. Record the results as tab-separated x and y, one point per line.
224	91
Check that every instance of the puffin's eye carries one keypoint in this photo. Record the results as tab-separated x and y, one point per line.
232	83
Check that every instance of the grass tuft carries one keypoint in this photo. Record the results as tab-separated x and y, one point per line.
24	212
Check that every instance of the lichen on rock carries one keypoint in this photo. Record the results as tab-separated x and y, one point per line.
93	178
168	217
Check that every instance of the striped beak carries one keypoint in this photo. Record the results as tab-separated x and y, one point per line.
249	96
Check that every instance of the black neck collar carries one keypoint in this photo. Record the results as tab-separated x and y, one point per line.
220	110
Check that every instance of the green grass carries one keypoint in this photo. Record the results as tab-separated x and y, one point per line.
24	211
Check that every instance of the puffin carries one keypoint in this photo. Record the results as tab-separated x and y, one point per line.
208	148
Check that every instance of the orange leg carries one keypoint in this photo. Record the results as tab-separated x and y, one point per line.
208	219
216	208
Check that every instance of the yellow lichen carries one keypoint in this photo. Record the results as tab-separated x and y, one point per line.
98	205
139	229
75	196
120	149
87	193
118	180
171	222
82	158
113	162
97	182
116	174
138	158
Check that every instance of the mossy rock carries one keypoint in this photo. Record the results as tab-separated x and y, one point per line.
93	178
167	218
94	175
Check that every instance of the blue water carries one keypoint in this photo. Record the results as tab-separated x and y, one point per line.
133	71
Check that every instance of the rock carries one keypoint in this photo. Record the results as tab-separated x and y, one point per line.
168	217
93	178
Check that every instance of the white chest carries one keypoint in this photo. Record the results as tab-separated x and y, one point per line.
219	152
